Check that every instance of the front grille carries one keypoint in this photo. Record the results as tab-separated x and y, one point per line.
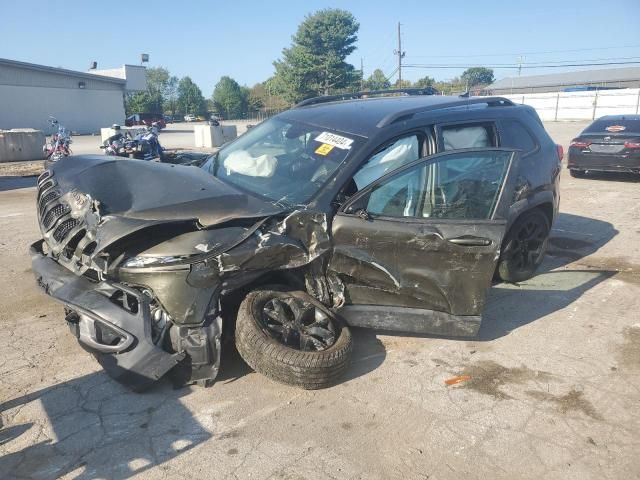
64	228
46	198
43	176
46	185
92	275
54	214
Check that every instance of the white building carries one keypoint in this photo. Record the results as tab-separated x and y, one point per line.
626	77
135	76
82	102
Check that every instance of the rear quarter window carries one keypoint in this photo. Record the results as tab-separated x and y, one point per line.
515	135
469	135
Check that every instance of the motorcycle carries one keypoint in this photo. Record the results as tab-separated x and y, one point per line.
143	145
59	144
148	144
116	144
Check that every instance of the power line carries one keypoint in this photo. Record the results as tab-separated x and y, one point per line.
514	66
559	62
525	53
388	77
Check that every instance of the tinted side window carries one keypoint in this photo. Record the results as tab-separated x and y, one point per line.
476	135
515	135
458	186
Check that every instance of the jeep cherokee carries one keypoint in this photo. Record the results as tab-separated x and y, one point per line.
389	212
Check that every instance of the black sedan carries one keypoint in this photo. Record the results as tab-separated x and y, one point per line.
610	144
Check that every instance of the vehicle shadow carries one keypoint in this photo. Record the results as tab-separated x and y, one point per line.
94	427
511	306
368	354
14	183
573	237
612	177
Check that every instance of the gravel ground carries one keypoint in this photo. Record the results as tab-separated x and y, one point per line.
553	390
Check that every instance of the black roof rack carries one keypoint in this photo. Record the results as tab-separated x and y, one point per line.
457	102
357	95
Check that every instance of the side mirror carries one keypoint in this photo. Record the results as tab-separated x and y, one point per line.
358	205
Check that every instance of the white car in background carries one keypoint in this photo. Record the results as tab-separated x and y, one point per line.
189	118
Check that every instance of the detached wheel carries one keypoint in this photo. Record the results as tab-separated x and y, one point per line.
524	247
291	338
577	173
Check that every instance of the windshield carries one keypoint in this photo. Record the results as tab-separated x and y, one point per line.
283	161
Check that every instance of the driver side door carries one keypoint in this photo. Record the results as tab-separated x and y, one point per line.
416	250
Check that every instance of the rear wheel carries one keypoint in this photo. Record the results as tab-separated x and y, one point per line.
524	247
577	173
291	338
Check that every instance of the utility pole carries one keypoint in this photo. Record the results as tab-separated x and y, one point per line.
400	54
520	61
361	74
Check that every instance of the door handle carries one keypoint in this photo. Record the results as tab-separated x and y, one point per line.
470	241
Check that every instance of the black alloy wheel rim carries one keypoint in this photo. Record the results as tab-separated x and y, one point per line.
297	324
527	246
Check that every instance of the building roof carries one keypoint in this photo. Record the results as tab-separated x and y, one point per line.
60	71
363	116
607	75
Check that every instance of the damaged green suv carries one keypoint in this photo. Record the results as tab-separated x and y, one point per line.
389	212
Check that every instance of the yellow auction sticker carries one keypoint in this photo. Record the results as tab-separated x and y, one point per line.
324	149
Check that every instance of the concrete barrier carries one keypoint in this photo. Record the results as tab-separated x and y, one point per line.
208	136
21	144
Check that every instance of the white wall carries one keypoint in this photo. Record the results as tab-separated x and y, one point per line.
135	75
581	105
79	110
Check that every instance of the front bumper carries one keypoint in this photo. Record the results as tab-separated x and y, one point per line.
604	163
110	320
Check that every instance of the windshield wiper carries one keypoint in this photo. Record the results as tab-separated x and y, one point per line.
283	203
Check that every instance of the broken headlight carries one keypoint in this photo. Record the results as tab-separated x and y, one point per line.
160	319
148	261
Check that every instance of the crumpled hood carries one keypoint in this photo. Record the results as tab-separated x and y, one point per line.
151	191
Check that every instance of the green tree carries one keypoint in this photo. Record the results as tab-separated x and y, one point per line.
257	97
477	76
402	84
171	95
190	99
160	91
425	81
315	62
229	98
377	81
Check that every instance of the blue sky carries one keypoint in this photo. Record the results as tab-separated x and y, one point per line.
207	39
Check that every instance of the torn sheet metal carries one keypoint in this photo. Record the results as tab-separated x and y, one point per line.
137	191
407	264
297	240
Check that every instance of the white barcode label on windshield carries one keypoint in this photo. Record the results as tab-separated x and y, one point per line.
335	140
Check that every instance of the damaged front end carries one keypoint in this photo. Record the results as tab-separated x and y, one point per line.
109	319
142	288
